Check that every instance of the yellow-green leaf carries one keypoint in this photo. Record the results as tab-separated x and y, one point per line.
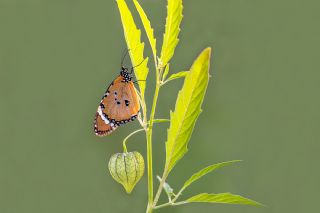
205	171
187	109
147	28
227	198
172	29
166	71
177	75
136	47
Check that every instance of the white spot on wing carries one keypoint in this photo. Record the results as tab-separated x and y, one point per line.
106	121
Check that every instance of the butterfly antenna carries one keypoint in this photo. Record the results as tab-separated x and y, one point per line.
124	53
136	82
137	65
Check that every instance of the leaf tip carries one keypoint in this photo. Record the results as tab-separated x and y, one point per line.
207	51
255	203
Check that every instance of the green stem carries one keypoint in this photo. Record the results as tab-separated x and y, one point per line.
163	179
144	108
126	138
170	204
149	144
150	172
162	205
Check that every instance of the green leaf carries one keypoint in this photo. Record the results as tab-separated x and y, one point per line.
205	171
187	110
147	27
136	47
177	75
166	71
172	29
226	198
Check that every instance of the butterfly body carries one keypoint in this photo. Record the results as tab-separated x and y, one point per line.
119	105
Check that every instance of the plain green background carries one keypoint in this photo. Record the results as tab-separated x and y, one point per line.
58	56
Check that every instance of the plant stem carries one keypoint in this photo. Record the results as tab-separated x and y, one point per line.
125	140
170	204
150	172
149	144
162	205
163	179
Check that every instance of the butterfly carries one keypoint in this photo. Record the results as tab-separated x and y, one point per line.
119	104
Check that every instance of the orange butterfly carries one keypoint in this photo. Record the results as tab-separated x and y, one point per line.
119	104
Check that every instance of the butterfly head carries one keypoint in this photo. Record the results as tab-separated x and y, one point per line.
126	74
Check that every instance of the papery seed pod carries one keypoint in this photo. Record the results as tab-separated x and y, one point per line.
127	169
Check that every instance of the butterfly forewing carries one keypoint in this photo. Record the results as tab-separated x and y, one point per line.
121	103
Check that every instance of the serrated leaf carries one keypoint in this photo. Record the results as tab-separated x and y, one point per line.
172	29
147	26
177	75
187	110
205	171
133	39
226	198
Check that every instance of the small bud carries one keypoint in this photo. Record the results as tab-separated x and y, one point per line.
127	169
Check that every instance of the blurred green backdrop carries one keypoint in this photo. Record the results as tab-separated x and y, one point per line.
58	56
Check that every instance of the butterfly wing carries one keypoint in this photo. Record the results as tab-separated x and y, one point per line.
121	103
100	126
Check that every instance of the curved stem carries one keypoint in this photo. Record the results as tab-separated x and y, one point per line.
126	138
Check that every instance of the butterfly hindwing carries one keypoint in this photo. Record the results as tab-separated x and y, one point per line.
100	126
